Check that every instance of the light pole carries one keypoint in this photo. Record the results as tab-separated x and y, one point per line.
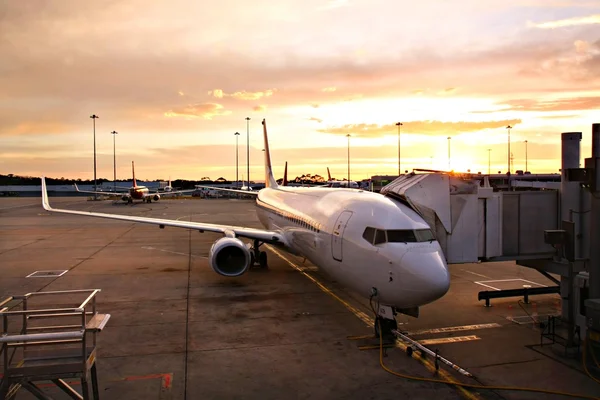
508	128
93	117
114	133
449	138
348	136
248	150
489	164
399	124
526	156
237	136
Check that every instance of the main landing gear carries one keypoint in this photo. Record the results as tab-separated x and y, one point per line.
258	258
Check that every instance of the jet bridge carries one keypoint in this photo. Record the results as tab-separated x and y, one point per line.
540	225
473	222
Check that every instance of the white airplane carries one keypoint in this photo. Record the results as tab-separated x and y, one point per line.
168	188
372	244
135	192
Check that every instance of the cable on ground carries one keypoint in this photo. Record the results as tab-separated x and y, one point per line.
473	386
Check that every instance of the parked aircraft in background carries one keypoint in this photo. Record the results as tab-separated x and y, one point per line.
375	245
135	192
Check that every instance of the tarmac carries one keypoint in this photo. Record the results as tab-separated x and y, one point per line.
179	331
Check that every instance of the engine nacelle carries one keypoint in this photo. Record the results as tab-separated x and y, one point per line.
125	198
156	197
229	257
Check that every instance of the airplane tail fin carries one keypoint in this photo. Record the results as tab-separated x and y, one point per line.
285	181
269	179
133	172
328	174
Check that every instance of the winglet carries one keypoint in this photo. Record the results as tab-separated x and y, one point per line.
285	181
45	202
269	179
76	187
328	174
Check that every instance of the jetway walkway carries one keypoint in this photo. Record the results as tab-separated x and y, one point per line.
553	227
474	223
50	336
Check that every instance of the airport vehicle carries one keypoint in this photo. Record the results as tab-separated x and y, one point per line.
373	244
136	192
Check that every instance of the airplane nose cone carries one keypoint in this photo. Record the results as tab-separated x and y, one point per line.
428	274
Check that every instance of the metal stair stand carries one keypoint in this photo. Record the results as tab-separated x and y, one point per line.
52	344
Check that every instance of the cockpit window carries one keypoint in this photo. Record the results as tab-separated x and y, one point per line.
424	235
379	237
401	235
369	234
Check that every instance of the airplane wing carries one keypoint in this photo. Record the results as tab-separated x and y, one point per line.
250	192
109	194
174	192
227	230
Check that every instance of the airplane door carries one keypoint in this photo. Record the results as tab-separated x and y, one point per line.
338	234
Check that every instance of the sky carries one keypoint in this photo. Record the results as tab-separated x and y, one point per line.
177	79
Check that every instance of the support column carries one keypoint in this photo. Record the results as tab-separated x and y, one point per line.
594	163
570	200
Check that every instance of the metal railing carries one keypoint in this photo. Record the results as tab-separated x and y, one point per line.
49	342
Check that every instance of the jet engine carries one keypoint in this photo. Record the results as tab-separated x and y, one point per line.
229	257
125	198
156	197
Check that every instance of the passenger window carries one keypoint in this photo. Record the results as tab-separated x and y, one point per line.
424	235
379	236
401	236
369	234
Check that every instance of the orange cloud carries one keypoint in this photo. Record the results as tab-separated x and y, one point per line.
562	23
569	104
422	127
319	120
243	95
329	89
447	91
204	110
259	108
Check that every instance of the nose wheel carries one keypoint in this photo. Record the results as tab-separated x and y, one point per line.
258	257
384	327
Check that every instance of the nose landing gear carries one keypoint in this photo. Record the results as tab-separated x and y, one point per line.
385	322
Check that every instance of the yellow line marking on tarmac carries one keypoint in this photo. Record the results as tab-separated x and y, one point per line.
475	273
453	339
370	322
455	329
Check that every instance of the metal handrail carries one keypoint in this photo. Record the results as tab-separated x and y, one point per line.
49	311
60	292
7	300
86	301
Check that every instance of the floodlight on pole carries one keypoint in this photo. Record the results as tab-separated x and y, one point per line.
526	156
94	117
248	150
399	124
114	133
237	136
348	136
508	128
449	138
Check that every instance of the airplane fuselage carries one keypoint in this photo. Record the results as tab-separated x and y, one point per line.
328	227
138	192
